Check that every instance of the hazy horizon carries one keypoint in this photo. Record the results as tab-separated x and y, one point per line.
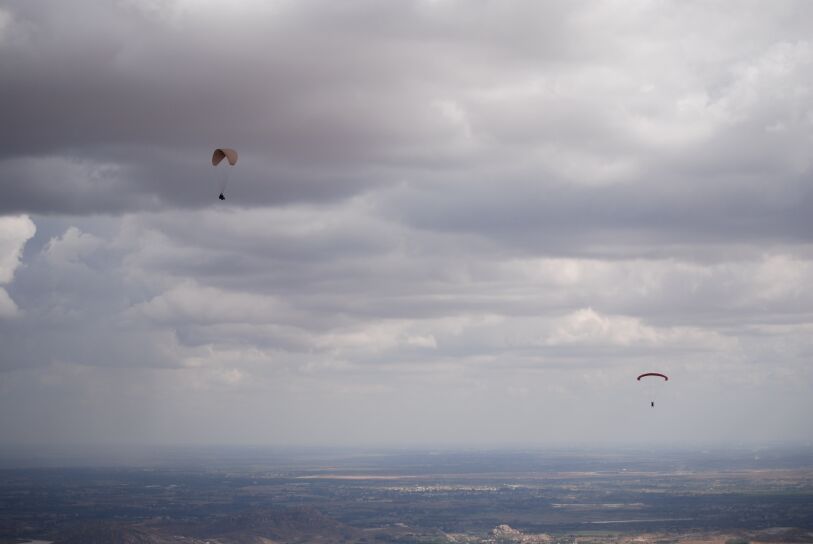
728	456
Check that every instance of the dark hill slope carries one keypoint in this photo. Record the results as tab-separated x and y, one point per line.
117	534
280	525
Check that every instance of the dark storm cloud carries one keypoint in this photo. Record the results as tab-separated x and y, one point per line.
311	95
650	219
151	96
544	125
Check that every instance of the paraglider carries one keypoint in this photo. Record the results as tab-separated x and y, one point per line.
225	172
648	377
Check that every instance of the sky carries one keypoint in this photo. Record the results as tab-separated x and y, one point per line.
451	223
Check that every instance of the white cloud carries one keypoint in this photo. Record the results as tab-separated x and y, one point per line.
71	247
781	277
425	341
588	327
190	302
14	233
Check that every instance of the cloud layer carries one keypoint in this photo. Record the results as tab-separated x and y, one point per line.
450	223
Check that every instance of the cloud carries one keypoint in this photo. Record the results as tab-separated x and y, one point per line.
510	98
587	326
191	303
5	22
14	233
72	247
445	215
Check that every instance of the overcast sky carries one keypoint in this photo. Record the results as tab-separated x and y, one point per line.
452	222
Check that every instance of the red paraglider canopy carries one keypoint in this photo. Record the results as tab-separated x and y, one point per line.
664	376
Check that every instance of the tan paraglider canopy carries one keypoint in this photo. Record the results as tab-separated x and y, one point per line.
224	153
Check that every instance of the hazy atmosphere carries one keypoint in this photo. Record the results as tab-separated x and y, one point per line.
451	223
